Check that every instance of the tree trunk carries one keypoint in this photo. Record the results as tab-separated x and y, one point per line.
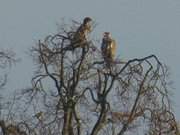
99	125
100	122
67	127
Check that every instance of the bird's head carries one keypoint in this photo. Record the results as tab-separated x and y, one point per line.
87	20
106	35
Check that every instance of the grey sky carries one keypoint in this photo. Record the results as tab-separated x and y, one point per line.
141	28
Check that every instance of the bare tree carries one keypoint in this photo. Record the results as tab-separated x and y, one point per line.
75	93
7	58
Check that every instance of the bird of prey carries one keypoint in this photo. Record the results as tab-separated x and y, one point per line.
108	48
80	36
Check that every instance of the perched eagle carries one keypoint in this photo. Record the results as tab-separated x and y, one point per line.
80	36
108	48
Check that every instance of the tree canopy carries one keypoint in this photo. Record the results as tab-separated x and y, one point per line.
74	92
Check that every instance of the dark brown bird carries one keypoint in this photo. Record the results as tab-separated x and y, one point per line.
80	36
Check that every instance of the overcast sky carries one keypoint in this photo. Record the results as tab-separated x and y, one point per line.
140	27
